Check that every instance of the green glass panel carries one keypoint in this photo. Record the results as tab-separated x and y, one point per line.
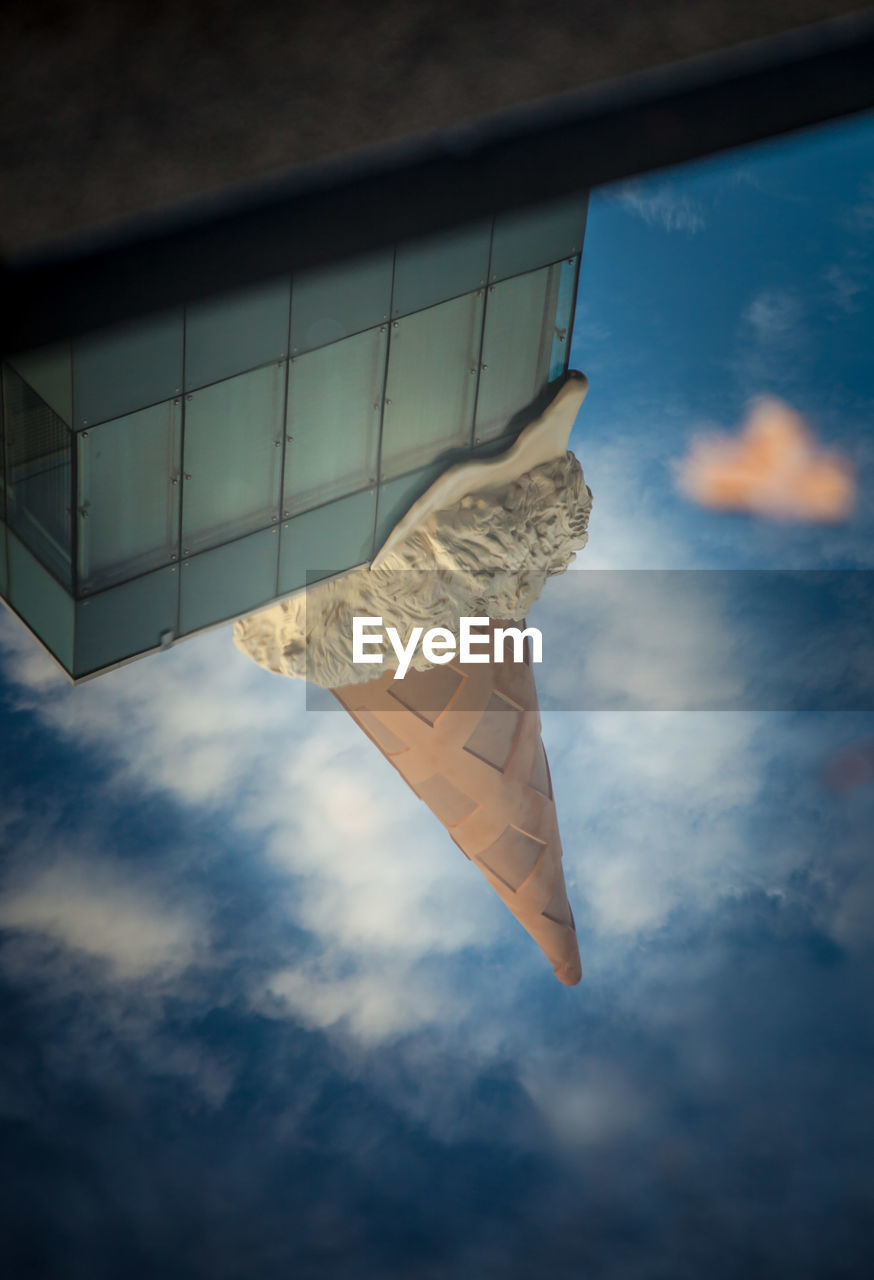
39	493
333	302
232	457
334	401
431	385
126	368
440	267
4	577
517	343
41	601
229	580
235	332
564	310
397	496
126	620
49	370
328	540
534	237
128	500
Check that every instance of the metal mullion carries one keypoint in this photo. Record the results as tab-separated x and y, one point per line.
289	361
388	332
576	289
181	400
487	287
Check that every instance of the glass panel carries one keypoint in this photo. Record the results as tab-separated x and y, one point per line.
126	368
235	332
535	237
397	496
41	601
230	580
232	457
4	579
517	342
39	475
431	386
334	302
128	500
328	540
334	401
441	267
564	310
126	620
49	370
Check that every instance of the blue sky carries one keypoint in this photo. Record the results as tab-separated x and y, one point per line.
247	1034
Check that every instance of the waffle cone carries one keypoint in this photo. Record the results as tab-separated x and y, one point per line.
466	738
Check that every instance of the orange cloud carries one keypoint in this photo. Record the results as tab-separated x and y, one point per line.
772	468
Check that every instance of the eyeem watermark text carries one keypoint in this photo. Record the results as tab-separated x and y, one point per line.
440	646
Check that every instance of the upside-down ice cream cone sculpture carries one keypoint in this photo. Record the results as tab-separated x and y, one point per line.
466	738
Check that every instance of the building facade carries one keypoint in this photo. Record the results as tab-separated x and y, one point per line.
172	473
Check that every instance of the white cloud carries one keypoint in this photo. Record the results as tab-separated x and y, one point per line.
654	810
91	908
661	206
774	316
191	721
371	875
772	339
630	525
845	287
372	1005
652	641
586	1104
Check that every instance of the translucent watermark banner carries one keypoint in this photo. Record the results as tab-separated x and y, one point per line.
623	640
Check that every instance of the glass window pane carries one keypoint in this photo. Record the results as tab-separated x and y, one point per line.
126	620
334	401
327	540
4	580
232	457
431	386
517	344
333	302
235	332
127	367
534	237
397	496
441	267
128	502
229	580
49	370
41	601
38	475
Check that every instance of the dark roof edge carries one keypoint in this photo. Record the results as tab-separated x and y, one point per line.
388	194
